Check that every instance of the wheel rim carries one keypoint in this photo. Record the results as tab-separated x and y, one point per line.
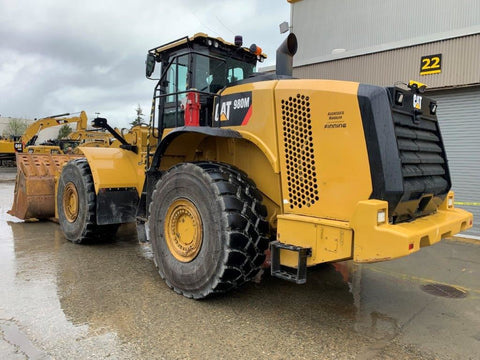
70	202
183	230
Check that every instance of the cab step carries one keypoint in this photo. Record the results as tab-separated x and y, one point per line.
298	275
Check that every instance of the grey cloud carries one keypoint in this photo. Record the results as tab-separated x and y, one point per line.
58	56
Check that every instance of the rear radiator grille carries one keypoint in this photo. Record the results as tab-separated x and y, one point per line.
424	164
299	152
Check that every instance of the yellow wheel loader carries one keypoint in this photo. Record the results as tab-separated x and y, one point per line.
239	165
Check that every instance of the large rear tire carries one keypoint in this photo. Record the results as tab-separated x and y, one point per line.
207	228
76	204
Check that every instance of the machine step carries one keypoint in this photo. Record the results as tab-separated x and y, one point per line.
298	275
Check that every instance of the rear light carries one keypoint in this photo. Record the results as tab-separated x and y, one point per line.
399	98
450	201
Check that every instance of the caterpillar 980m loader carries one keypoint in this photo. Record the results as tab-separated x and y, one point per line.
237	163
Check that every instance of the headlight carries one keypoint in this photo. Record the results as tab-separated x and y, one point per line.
381	216
399	98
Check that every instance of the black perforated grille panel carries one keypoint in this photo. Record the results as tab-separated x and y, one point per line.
299	152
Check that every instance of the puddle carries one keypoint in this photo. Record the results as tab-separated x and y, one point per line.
13	335
108	300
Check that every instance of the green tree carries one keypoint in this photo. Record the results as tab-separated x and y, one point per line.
15	127
139	119
64	131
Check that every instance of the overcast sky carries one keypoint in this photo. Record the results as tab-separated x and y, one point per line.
60	56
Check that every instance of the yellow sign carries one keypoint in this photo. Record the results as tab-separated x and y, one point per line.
431	64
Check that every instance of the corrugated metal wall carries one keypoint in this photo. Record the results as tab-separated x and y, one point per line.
460	65
459	117
325	25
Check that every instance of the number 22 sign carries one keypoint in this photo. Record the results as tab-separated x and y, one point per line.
431	64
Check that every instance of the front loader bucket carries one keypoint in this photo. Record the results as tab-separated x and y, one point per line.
37	174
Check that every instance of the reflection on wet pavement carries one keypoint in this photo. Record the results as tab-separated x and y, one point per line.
14	336
60	300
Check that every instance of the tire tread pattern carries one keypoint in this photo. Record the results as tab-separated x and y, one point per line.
91	231
246	227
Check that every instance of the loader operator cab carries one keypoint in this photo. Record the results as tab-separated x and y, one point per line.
193	70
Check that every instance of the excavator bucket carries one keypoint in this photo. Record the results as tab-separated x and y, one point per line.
34	196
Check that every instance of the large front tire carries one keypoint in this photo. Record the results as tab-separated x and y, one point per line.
207	228
76	204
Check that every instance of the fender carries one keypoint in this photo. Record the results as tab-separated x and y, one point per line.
118	177
153	174
172	135
114	168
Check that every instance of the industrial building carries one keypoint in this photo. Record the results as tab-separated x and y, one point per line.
390	42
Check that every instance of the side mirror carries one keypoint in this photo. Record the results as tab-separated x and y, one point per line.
150	65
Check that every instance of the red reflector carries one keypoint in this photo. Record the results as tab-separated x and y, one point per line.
410	246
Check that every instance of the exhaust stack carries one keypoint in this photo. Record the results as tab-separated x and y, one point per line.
285	53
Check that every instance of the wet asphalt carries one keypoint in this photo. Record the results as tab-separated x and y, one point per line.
106	301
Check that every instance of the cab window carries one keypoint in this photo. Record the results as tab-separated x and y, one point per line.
177	84
210	73
177	78
235	74
238	70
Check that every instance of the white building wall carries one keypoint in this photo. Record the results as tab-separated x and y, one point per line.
374	25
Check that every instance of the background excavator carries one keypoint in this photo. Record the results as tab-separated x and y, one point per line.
7	150
39	166
79	135
27	142
235	163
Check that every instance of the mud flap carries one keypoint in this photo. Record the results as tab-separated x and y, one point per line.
116	205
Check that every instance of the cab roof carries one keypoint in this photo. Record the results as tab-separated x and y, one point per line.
202	39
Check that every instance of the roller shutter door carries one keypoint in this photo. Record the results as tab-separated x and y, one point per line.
459	116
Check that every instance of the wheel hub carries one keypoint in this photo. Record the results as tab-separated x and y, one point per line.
183	230
70	202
